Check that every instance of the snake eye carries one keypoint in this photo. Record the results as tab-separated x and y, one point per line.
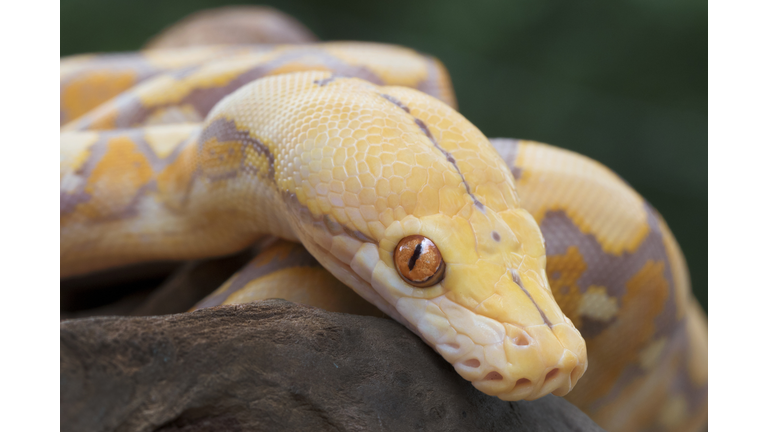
419	261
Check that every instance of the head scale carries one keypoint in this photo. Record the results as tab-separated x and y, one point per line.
364	168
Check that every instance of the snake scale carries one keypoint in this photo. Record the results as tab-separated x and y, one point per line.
354	154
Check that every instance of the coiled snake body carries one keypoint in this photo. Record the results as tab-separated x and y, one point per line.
351	148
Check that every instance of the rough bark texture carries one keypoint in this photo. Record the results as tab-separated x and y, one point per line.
275	365
190	284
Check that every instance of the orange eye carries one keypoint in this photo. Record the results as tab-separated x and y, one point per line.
419	261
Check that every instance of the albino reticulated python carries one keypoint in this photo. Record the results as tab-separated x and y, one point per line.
186	153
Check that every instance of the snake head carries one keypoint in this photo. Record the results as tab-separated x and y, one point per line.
362	169
492	314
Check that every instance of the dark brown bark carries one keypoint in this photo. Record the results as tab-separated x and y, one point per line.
275	365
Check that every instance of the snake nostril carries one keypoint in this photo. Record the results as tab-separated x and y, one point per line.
473	363
521	340
551	375
493	376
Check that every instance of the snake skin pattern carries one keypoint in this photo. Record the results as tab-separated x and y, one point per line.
173	86
184	154
348	168
628	296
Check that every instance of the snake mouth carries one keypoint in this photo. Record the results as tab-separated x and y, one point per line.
532	369
500	359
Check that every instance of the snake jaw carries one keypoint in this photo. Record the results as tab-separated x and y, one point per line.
513	359
523	358
503	360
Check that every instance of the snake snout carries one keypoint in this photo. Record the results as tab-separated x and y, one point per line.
511	361
539	360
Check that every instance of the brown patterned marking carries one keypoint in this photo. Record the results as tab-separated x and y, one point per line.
324	222
496	236
590	327
68	201
450	159
226	131
602	269
395	101
615	352
608	270
130	111
224	134
133	112
576	261
519	282
204	99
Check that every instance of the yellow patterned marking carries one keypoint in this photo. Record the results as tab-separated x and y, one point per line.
563	271
619	345
174	181
219	159
167	89
259	162
104	117
116	179
165	139
88	90
597	304
183	113
75	150
369	171
574	179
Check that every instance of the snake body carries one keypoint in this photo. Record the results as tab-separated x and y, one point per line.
183	155
645	335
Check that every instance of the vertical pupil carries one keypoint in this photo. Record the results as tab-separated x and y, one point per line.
414	257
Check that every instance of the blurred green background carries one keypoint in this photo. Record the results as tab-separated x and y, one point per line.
621	81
